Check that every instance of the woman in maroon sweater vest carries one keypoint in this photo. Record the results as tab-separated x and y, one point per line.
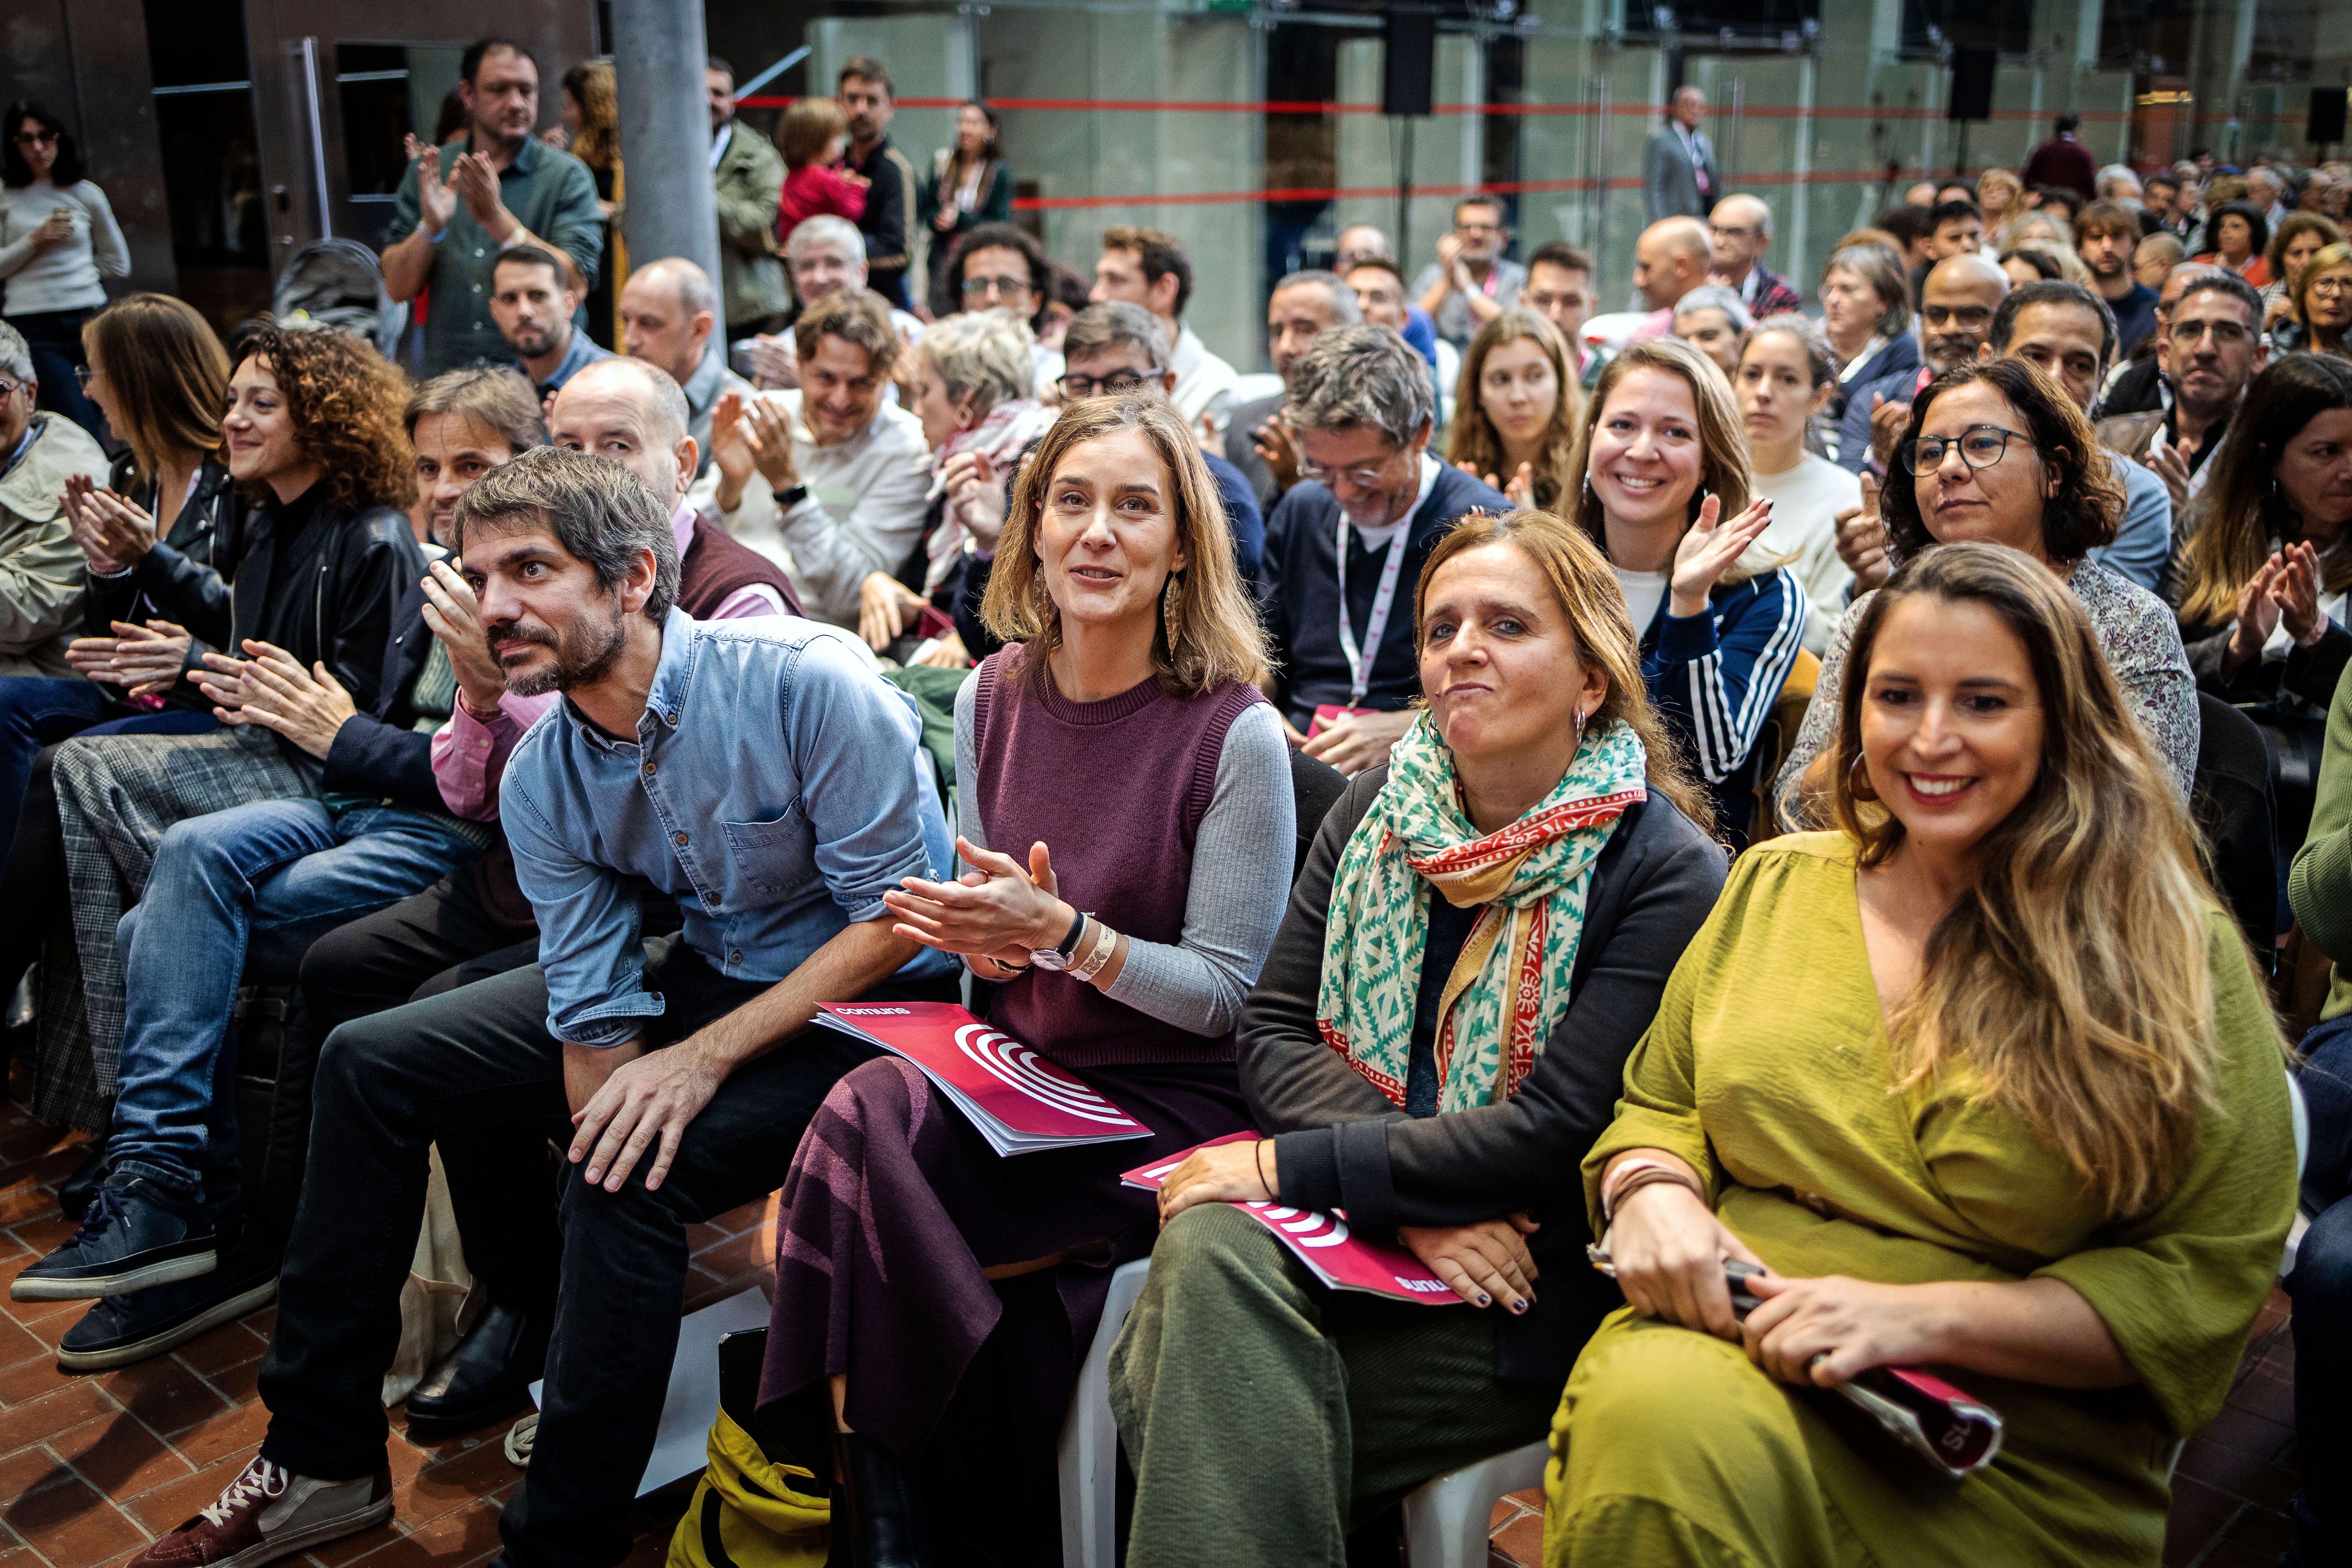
1115	758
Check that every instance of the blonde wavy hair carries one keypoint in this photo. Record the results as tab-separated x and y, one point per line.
1724	465
1476	441
1603	628
2073	981
1218	635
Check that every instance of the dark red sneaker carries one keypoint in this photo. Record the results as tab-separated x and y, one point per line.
269	1513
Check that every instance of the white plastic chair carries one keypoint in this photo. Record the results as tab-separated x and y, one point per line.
1089	1446
1445	1520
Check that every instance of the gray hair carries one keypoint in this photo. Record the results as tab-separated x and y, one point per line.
669	415
1114	325
989	356
1345	311
692	283
1763	212
598	510
1716	297
1362	375
1883	270
16	353
821	229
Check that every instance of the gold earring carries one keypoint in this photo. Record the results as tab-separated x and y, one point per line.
1857	781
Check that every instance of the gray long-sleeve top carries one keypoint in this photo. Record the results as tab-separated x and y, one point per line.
1341	1143
1241	874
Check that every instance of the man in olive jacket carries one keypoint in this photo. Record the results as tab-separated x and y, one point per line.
43	572
747	174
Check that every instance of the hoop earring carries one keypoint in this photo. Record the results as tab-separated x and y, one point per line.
1857	784
1171	610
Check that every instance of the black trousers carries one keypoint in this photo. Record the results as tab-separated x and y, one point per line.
502	1178
391	1085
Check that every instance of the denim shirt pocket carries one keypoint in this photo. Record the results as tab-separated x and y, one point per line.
767	860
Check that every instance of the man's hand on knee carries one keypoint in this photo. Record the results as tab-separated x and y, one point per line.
586	1068
652	1098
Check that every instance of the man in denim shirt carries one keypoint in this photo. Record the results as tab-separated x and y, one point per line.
761	773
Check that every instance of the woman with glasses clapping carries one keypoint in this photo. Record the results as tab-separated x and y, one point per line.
1997	453
58	235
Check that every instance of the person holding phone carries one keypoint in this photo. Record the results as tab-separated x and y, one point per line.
1984	1078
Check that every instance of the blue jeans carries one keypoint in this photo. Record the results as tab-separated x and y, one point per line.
36	712
2321	1284
239	896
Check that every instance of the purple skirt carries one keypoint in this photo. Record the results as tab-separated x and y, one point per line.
895	1206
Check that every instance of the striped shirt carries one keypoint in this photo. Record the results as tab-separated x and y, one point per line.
1715	676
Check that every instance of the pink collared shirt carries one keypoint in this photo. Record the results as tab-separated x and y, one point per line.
469	753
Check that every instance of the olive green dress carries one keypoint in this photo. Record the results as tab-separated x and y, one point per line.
1767	1069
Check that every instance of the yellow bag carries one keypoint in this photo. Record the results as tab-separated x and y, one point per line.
750	1511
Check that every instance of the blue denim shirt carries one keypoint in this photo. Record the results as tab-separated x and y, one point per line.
776	787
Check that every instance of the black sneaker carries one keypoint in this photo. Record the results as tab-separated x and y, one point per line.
130	1239
119	1330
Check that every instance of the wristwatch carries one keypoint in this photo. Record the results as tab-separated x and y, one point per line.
787	500
1053	959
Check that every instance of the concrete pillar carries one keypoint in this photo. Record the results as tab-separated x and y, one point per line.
659	55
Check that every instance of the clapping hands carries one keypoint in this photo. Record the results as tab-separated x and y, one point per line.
1708	550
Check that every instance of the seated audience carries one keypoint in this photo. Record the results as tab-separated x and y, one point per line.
2053	1162
2032	263
475	922
534	306
1787	380
688	1063
1539	804
1519	411
1670	260
2319	893
161	378
2105	239
1867	313
234	897
989	267
1471	279
2001	199
313	430
1381	294
974	406
1360	243
2154	258
1304	305
1711	318
1739	230
827	479
1957	303
901	1235
1148	267
668	314
2212	347
1370	505
2294	242
813	137
1998	453
1559	289
1666	496
2136	385
1954	227
2238	232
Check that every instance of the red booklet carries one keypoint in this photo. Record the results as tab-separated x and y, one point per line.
1020	1102
1334	1254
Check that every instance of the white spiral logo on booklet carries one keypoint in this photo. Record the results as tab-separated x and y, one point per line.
1305	1228
1016	1065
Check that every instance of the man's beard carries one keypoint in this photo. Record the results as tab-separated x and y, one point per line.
1963	351
535	342
584	653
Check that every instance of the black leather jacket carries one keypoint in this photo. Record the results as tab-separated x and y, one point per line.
183	578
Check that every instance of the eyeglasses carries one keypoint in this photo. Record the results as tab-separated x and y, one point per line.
1968	318
1362	475
1981	446
1001	288
2330	288
37	138
8	389
1119	383
2229	334
86	373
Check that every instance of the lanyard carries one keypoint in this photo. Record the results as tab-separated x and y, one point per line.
1359	664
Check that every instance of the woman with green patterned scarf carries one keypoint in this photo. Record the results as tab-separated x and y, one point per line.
1481	935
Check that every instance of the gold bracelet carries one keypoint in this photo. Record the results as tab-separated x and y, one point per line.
1106	943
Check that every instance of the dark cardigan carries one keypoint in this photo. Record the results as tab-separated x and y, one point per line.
1341	1143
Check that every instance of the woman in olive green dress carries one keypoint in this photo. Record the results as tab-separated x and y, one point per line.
1985	1077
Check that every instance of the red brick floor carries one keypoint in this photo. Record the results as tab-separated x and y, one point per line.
93	1467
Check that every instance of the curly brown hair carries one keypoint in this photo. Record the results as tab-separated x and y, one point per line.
2083	510
346	401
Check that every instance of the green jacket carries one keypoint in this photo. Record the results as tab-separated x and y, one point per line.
750	180
2320	886
43	572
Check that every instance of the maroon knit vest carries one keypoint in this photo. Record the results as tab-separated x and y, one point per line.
715	566
1115	790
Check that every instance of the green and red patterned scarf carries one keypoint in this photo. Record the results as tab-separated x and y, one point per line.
1510	985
